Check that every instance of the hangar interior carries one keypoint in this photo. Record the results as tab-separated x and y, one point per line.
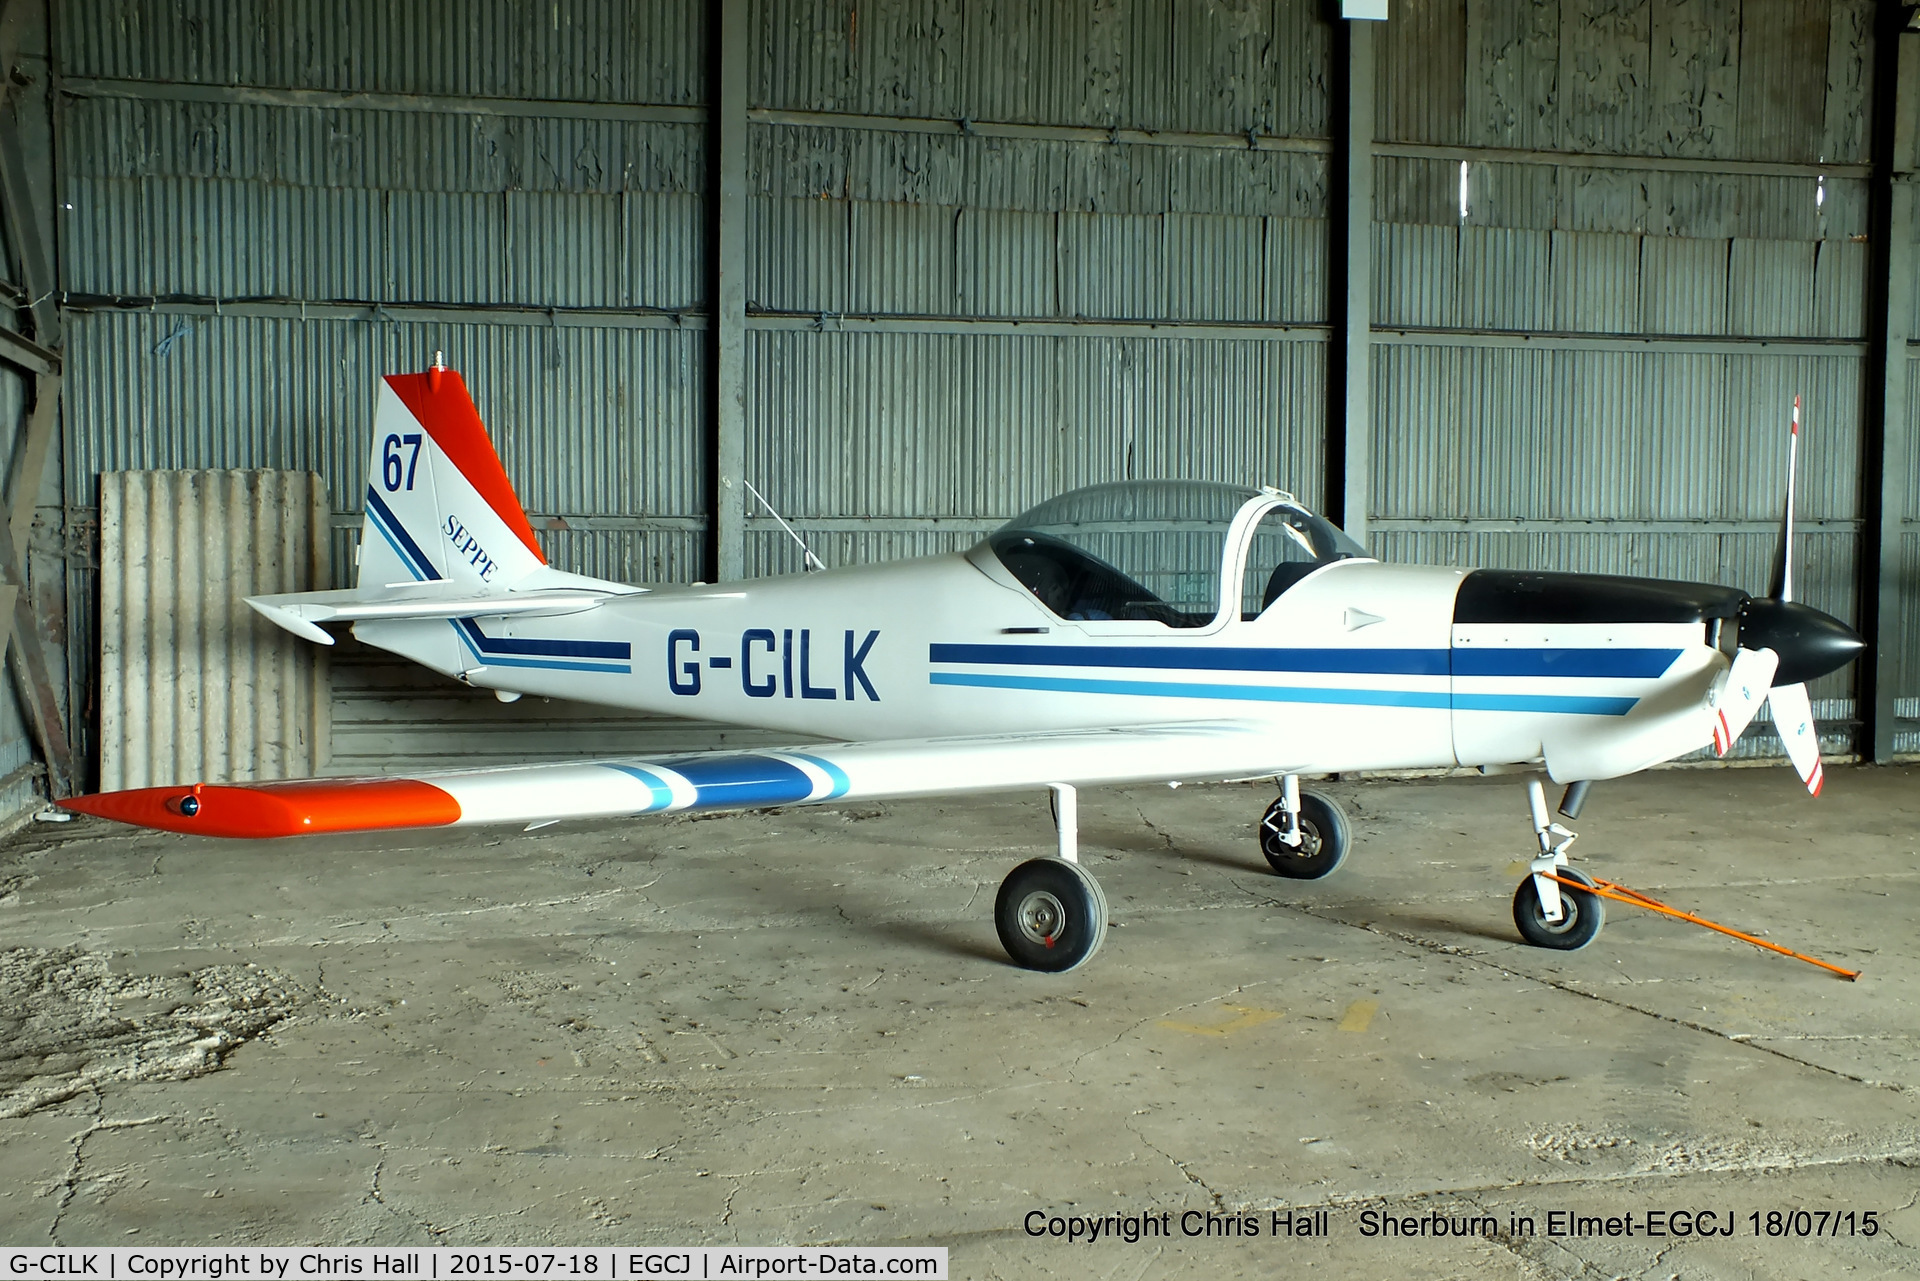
1505	285
1523	285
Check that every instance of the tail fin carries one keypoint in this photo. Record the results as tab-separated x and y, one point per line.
444	546
439	506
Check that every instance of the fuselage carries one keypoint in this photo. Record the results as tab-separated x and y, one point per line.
1152	604
1360	665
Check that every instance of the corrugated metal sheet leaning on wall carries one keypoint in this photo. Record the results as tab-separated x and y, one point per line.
191	681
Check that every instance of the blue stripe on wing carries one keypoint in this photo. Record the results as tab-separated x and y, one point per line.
744	781
662	794
837	776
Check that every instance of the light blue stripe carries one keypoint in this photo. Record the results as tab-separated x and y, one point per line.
398	550
662	794
1297	694
397	534
546	665
1180	689
841	783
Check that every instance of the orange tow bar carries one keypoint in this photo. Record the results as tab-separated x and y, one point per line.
1621	894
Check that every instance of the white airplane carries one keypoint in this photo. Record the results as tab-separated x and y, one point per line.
1160	630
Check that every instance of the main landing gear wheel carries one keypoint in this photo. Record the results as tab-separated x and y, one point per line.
1323	838
1581	914
1051	915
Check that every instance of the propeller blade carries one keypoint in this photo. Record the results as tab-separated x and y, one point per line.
1736	697
1793	721
1783	556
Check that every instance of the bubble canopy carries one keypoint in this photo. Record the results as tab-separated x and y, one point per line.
1156	551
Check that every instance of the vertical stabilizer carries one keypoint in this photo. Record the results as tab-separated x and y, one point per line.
439	506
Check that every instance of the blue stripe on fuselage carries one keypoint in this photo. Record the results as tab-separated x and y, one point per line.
1184	689
607	650
1397	662
1435	700
1603	663
466	629
1593	663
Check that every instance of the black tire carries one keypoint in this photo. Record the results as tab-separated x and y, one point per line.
1581	914
1323	847
1051	915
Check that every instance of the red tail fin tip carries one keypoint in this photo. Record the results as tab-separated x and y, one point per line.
439	400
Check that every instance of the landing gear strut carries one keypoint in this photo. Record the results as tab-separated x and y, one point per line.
1303	834
1547	912
1050	913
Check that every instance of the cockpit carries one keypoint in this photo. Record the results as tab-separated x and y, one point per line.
1162	551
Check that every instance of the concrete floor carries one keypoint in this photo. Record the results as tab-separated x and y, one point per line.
798	1027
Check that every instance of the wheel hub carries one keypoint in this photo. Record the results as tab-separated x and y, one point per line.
1569	914
1041	917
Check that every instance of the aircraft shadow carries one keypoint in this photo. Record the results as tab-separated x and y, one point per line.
936	940
1423	926
879	921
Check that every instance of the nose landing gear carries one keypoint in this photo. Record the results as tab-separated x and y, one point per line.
1548	912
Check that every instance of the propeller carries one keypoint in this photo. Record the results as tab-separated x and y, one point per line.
1783	645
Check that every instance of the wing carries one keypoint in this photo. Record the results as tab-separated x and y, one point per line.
703	781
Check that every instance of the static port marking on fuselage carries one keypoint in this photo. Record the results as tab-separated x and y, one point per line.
782	663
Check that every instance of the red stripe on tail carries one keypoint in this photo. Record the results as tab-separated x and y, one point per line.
295	808
439	400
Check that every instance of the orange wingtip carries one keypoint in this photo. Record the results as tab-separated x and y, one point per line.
297	808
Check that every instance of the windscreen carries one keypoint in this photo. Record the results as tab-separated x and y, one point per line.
1138	551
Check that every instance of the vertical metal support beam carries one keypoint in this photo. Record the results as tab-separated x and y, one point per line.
20	211
32	676
30	465
1350	226
20	631
727	291
1889	418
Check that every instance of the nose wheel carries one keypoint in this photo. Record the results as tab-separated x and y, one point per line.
1303	834
1581	913
1549	912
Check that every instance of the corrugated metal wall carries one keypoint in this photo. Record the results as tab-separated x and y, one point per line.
1001	249
995	249
265	208
1591	365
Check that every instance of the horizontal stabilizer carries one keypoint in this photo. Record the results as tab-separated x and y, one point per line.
302	612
